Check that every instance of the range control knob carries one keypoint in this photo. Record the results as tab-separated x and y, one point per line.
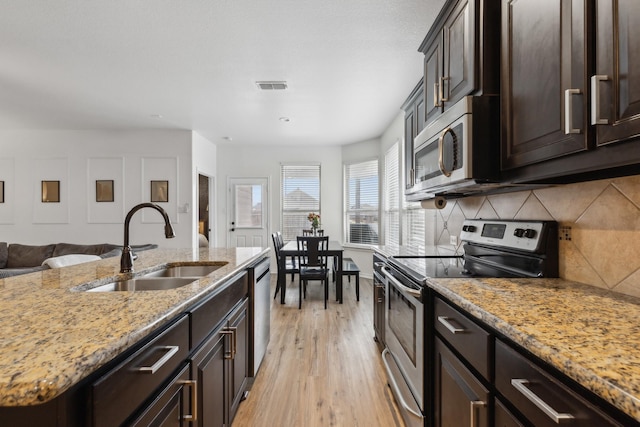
469	228
530	233
518	232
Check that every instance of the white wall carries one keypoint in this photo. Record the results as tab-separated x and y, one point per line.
261	161
77	159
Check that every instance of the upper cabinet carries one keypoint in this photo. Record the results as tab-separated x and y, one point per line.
570	89
615	85
414	120
461	53
543	80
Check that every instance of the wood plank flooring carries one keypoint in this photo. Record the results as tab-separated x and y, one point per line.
322	367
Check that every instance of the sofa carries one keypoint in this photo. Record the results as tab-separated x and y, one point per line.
18	259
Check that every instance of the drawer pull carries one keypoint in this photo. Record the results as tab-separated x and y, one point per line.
568	111
170	351
193	384
521	386
595	100
445	321
474	405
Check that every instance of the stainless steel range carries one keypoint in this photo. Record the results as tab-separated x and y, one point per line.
492	248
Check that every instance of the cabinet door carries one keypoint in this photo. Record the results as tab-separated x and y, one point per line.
458	78
432	79
460	398
170	408
543	65
239	363
616	84
209	371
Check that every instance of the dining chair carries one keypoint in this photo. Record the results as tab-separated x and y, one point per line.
290	264
309	232
312	263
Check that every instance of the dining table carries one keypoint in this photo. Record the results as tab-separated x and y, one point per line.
290	249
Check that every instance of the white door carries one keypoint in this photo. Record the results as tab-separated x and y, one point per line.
248	208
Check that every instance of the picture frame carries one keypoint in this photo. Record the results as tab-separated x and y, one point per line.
1	191
104	190
159	191
50	192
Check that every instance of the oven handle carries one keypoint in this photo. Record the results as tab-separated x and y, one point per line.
413	292
394	385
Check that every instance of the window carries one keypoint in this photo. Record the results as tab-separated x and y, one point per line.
391	191
300	195
361	202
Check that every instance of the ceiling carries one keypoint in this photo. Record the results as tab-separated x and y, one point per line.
193	64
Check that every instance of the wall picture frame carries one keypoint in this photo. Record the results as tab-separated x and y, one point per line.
50	192
160	191
104	190
1	191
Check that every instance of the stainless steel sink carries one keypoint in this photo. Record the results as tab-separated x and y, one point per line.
196	271
171	277
145	284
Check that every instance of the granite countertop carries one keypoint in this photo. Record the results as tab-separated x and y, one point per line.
589	334
53	336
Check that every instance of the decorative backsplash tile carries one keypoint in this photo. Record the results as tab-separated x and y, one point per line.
603	219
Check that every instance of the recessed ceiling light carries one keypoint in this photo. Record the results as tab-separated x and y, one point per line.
156	116
272	85
227	138
285	119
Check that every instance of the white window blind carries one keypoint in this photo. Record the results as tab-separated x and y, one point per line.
300	195
413	220
361	202
391	190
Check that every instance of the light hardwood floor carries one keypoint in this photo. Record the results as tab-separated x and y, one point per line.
322	367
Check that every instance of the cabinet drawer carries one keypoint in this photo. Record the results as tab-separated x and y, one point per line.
542	399
117	394
206	316
469	339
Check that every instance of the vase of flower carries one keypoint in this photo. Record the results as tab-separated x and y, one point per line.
314	219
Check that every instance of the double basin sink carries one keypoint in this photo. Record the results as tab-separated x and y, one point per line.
171	277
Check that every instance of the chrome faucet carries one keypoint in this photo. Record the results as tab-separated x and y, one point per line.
126	261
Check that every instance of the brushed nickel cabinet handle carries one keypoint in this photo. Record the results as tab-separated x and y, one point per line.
193	384
170	351
521	385
228	354
445	321
436	97
568	111
442	97
595	100
476	404
234	341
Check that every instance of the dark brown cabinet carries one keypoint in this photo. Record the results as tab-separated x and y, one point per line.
615	84
460	398
570	90
541	398
543	80
413	124
460	55
220	368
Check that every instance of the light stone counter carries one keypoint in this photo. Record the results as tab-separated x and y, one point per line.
52	336
591	335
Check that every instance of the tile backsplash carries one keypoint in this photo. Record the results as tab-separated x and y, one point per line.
599	227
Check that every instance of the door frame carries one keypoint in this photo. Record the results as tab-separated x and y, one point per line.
231	209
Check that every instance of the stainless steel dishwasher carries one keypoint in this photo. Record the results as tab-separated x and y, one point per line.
259	312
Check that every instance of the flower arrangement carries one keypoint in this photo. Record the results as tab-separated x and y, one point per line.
314	219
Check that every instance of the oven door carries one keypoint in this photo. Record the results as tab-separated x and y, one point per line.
404	355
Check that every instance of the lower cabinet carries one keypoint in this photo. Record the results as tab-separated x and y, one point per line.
172	407
220	369
460	398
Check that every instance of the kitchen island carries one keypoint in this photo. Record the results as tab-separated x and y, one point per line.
54	335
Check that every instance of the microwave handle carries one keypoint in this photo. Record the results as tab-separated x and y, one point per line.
444	171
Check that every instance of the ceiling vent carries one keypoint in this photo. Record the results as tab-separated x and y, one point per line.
272	85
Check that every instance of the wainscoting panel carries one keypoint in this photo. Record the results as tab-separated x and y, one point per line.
8	199
105	169
52	169
160	169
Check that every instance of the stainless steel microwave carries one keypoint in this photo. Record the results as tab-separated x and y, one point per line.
459	152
